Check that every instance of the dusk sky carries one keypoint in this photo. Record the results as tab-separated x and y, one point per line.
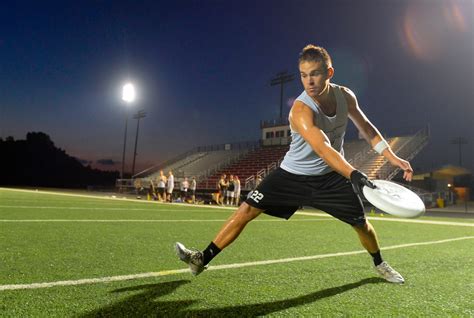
203	68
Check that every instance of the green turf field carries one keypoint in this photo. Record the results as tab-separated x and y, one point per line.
72	256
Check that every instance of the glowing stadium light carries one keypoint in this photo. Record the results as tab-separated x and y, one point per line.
128	93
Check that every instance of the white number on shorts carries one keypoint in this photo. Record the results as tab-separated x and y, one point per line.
256	196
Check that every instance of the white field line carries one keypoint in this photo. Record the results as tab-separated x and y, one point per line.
217	207
94	208
88	281
116	198
389	219
222	220
423	221
150	221
468	224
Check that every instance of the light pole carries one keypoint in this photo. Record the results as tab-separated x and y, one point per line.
128	95
280	79
138	115
460	141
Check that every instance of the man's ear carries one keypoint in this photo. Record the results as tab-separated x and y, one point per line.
330	72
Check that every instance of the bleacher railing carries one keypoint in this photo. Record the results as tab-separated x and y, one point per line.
280	141
271	167
274	122
361	156
249	183
407	151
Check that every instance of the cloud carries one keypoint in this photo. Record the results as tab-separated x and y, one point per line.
107	162
84	162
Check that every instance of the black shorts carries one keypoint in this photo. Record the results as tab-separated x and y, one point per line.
281	193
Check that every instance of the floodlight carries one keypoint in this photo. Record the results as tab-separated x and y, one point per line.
128	93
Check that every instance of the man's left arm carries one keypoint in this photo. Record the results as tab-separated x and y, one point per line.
373	136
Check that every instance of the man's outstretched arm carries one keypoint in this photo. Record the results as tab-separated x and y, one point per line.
373	136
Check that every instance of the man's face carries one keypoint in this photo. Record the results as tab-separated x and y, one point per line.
315	77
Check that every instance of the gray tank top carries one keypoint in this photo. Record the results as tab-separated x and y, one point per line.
301	158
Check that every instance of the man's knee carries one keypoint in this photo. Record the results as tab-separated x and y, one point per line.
248	212
362	227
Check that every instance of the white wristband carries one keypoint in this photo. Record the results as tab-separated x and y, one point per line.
381	146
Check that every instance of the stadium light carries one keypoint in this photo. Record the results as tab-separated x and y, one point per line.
128	95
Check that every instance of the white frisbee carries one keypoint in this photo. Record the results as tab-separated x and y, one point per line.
394	199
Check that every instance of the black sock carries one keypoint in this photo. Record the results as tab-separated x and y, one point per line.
210	252
377	258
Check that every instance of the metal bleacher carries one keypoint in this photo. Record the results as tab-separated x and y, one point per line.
211	161
257	162
207	164
200	162
407	147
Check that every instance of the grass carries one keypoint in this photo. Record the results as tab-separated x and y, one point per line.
86	237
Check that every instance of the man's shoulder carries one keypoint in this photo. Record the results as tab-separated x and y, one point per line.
346	91
299	104
303	98
300	108
348	94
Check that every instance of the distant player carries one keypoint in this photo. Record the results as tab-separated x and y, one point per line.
314	171
170	187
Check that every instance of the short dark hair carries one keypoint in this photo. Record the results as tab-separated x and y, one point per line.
313	53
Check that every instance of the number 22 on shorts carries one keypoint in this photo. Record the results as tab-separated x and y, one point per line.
256	196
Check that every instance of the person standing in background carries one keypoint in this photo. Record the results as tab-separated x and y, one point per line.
192	189
170	187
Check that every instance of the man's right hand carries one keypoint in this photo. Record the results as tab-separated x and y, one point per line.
359	180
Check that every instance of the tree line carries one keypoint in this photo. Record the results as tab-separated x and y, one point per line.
37	162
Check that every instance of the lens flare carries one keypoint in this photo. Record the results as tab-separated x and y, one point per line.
425	29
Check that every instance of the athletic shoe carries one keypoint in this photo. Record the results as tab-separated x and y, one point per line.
387	272
193	258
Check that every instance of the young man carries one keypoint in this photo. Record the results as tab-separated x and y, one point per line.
314	171
170	187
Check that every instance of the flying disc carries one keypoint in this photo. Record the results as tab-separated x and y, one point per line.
394	199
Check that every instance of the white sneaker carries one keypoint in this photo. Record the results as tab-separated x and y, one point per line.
193	258
387	272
